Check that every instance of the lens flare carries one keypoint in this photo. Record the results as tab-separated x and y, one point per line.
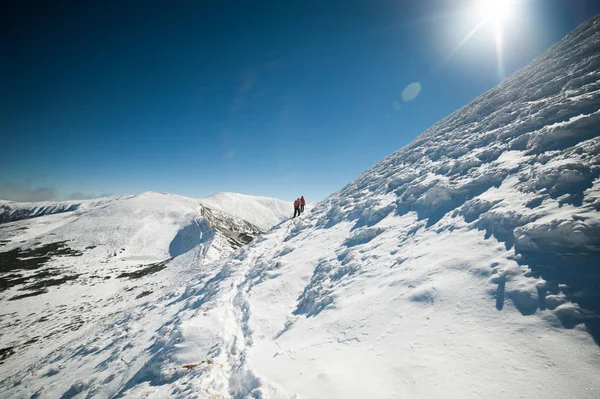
411	91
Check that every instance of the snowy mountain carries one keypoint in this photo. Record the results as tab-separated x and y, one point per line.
12	211
464	265
69	263
263	212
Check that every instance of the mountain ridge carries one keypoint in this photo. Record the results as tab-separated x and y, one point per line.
17	210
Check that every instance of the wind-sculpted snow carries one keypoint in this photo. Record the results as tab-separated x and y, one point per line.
526	151
464	265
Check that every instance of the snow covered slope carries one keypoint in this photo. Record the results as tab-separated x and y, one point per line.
12	211
263	212
70	263
464	265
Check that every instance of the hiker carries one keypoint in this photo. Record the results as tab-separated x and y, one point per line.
296	207
302	203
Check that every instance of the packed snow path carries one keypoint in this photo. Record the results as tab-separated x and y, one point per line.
464	265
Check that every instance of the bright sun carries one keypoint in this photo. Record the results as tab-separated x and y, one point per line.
491	16
496	11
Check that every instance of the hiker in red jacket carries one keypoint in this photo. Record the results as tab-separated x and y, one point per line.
302	203
296	207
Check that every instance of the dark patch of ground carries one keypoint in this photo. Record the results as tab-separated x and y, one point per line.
143	294
5	353
148	269
237	240
12	280
245	238
73	326
49	283
31	259
35	293
31	341
237	235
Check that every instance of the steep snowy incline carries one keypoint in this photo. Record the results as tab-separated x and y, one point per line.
263	212
521	163
464	265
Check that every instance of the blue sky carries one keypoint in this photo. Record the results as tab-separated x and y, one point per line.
268	98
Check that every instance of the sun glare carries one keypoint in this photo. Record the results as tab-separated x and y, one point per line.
496	11
489	17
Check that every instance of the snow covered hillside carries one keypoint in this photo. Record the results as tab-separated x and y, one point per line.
464	265
68	264
263	212
12	211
